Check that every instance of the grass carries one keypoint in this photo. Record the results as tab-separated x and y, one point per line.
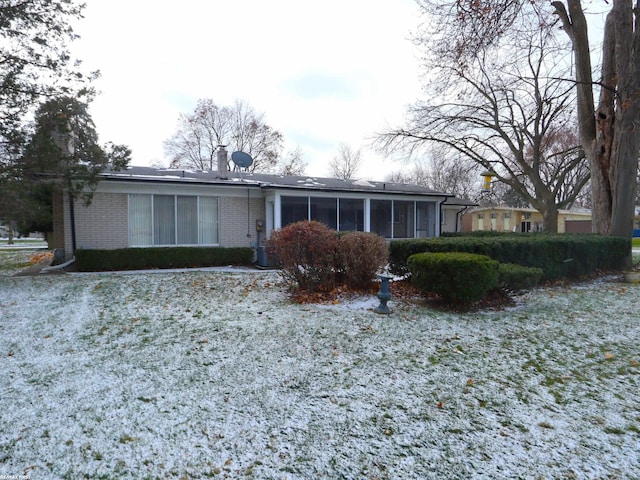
185	375
16	258
12	261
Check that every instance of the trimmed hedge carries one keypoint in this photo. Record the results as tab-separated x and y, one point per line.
455	276
484	233
517	277
559	256
161	257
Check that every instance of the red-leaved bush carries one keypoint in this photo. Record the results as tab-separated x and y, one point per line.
311	256
305	252
360	256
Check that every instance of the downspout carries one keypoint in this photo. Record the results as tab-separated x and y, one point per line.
249	213
440	216
458	215
62	266
72	219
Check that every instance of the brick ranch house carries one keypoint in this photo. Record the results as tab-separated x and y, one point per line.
144	207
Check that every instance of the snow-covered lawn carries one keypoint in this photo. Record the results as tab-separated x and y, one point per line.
202	374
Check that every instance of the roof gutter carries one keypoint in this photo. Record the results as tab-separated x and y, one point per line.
266	186
182	181
458	213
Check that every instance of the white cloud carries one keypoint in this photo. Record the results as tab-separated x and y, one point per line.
323	73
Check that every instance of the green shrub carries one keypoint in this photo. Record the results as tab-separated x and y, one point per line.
480	233
455	276
517	277
94	260
359	257
558	255
401	250
305	252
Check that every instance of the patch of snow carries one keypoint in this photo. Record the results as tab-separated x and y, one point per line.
153	177
311	182
245	180
215	373
363	183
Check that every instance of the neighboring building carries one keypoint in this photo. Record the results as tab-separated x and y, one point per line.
143	207
512	219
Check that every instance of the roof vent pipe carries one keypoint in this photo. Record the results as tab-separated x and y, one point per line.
223	165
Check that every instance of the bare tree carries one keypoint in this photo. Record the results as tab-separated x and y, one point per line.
417	174
608	128
444	171
638	189
347	163
609	131
508	196
503	115
292	163
238	127
453	173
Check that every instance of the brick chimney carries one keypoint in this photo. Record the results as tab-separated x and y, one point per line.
223	165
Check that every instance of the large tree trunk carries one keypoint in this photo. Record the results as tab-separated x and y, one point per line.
595	142
545	203
550	224
626	143
610	135
624	182
600	154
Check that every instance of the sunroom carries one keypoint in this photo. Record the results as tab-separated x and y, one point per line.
390	216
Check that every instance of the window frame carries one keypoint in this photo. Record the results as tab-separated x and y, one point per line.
419	216
177	230
291	207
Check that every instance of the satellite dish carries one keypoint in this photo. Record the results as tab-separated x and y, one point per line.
241	159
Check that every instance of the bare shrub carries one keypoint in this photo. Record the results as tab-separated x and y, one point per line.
360	256
305	252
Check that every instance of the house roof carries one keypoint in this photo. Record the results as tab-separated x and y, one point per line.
266	181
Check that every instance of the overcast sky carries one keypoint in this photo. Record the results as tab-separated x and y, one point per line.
322	72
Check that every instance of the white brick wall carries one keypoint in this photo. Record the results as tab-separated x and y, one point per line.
234	225
104	223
